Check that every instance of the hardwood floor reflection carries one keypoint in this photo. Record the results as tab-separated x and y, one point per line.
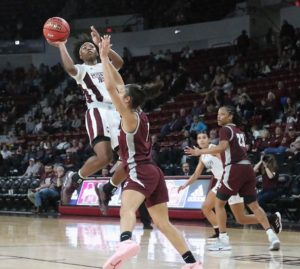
67	243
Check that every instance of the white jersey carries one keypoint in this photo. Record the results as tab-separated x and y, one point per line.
213	163
91	80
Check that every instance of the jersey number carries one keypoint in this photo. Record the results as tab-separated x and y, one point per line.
241	140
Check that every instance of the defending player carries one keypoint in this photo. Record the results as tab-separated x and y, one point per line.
214	163
145	181
239	177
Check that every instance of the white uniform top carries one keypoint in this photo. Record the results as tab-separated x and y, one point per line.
91	80
213	163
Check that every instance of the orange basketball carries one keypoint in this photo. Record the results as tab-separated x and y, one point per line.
56	29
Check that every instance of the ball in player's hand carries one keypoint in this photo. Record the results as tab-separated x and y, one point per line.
56	29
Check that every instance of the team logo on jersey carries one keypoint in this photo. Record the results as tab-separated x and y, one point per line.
98	75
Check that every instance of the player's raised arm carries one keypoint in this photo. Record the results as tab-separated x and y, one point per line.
115	58
65	57
112	78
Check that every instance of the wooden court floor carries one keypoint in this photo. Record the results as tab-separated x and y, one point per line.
83	243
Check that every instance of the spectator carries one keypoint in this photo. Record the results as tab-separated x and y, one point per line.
263	142
185	169
267	168
155	148
285	143
44	181
243	43
287	34
213	137
187	140
104	172
291	120
32	169
197	125
276	139
49	190
5	152
196	110
29	125
293	155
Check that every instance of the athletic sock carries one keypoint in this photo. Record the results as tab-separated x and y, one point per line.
216	228
223	235
188	257
109	188
125	236
269	231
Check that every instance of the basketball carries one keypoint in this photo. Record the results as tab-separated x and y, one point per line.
56	29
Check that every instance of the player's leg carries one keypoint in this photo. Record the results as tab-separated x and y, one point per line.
131	200
237	207
223	243
248	191
207	210
145	217
103	157
105	191
238	210
263	220
160	217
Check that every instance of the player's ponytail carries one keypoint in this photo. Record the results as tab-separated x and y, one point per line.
140	94
152	91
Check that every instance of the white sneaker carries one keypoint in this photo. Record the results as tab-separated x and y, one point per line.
275	243
222	244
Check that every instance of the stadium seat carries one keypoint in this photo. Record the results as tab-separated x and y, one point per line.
290	203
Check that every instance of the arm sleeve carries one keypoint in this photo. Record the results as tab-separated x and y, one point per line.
225	134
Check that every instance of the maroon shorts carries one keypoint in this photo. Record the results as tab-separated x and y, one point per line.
149	180
238	179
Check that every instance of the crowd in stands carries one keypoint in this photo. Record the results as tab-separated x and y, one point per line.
50	128
154	13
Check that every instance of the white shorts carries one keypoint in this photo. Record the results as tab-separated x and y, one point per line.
103	121
234	199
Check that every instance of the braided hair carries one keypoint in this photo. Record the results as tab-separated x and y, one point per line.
236	119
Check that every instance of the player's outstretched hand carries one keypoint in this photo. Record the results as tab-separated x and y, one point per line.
56	43
95	36
104	46
182	187
192	151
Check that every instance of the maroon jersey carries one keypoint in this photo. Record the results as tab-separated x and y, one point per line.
269	183
136	147
236	151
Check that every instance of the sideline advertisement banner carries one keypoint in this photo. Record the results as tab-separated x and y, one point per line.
190	198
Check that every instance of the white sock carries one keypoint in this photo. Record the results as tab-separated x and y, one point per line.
270	232
223	235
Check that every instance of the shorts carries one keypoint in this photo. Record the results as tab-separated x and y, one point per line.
103	122
216	185
148	179
238	179
234	199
